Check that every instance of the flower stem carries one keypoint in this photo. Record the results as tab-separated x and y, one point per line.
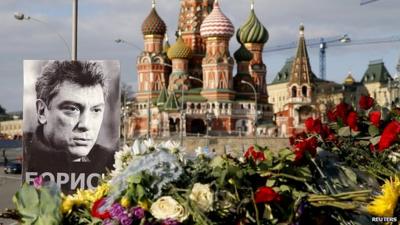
256	209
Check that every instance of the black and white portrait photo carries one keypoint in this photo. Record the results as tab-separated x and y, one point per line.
71	121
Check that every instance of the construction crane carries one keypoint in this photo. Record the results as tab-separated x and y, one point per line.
323	44
364	2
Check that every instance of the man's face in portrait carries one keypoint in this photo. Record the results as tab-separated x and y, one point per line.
72	120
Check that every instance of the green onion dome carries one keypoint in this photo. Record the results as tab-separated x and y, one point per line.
153	24
252	31
179	50
242	54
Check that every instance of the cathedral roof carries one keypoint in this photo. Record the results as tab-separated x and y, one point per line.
179	50
216	24
172	103
252	31
301	68
376	72
163	97
153	24
283	76
242	54
349	79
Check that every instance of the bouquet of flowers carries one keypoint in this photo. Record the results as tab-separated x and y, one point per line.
330	175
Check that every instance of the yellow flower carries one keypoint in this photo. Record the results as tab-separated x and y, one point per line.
125	201
101	191
385	204
144	204
67	204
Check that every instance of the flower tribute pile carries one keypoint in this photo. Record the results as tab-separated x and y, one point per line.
332	174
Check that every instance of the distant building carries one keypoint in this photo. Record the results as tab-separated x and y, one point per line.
11	129
296	93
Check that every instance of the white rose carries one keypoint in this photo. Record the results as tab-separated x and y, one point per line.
202	196
167	207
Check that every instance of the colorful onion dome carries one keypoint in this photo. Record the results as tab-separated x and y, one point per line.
243	54
216	24
153	24
252	30
179	50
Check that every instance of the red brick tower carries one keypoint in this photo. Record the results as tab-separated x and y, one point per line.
152	66
217	29
191	16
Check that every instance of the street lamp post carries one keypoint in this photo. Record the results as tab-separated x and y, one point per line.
182	114
255	107
208	121
74	29
148	118
122	41
22	16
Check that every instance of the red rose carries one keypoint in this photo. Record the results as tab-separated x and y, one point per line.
342	110
266	194
352	120
309	123
332	116
313	126
301	147
375	118
256	155
366	102
95	210
389	135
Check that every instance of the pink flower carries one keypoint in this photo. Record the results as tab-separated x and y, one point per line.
38	182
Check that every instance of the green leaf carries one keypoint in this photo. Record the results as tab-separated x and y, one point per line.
373	130
135	179
287	154
279	166
344	132
375	140
270	182
217	162
268	212
284	188
350	174
140	192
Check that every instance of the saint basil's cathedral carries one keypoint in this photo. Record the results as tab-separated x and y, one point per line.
190	86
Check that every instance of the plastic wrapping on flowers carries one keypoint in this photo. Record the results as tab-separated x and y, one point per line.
332	174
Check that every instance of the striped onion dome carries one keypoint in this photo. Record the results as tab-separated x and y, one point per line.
252	30
153	24
179	50
216	24
243	55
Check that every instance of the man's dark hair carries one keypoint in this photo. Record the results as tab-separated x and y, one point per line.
85	74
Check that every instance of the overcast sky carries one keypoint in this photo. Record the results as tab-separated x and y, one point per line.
103	21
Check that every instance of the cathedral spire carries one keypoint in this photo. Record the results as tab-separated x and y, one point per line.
153	4
301	69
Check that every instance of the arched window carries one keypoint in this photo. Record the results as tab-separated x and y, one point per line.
304	91
294	92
